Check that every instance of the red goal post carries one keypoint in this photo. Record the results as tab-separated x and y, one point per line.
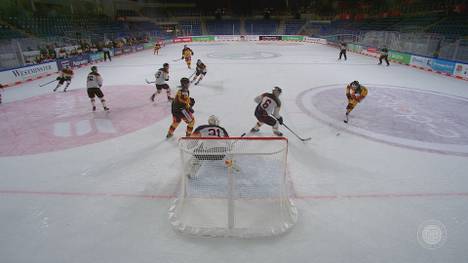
236	186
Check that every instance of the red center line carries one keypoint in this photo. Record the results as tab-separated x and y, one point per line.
382	195
304	197
49	193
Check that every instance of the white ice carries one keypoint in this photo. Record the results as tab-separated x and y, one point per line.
359	200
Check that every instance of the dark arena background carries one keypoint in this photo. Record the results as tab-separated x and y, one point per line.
112	116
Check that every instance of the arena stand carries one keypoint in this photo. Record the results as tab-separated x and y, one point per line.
292	26
223	27
441	34
191	27
261	26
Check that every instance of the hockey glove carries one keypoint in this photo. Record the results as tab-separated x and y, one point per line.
192	102
280	120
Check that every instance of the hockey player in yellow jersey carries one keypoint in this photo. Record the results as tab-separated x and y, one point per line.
182	109
355	93
66	75
157	47
187	54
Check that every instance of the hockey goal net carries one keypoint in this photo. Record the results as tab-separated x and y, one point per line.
233	187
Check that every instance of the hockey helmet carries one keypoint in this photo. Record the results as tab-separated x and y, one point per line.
184	82
355	84
277	90
199	61
94	69
165	65
213	120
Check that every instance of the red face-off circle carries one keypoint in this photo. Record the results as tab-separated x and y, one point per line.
61	121
407	117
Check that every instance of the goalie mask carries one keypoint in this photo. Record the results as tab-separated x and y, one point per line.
213	120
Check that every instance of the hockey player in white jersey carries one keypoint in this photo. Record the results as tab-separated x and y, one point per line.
94	84
267	111
162	76
211	130
200	72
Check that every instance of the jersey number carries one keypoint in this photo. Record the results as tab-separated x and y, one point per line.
266	104
90	78
214	132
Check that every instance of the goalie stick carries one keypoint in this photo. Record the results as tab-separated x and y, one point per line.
196	161
194	164
231	162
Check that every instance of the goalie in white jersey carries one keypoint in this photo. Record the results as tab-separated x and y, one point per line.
211	150
162	76
267	111
211	130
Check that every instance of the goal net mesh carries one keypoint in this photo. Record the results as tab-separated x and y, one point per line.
233	187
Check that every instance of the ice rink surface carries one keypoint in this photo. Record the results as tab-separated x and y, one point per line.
391	186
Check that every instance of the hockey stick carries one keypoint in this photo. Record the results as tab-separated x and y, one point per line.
149	82
230	163
234	142
177	59
194	164
302	139
42	85
192	74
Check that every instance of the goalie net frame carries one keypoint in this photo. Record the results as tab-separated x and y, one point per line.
283	209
